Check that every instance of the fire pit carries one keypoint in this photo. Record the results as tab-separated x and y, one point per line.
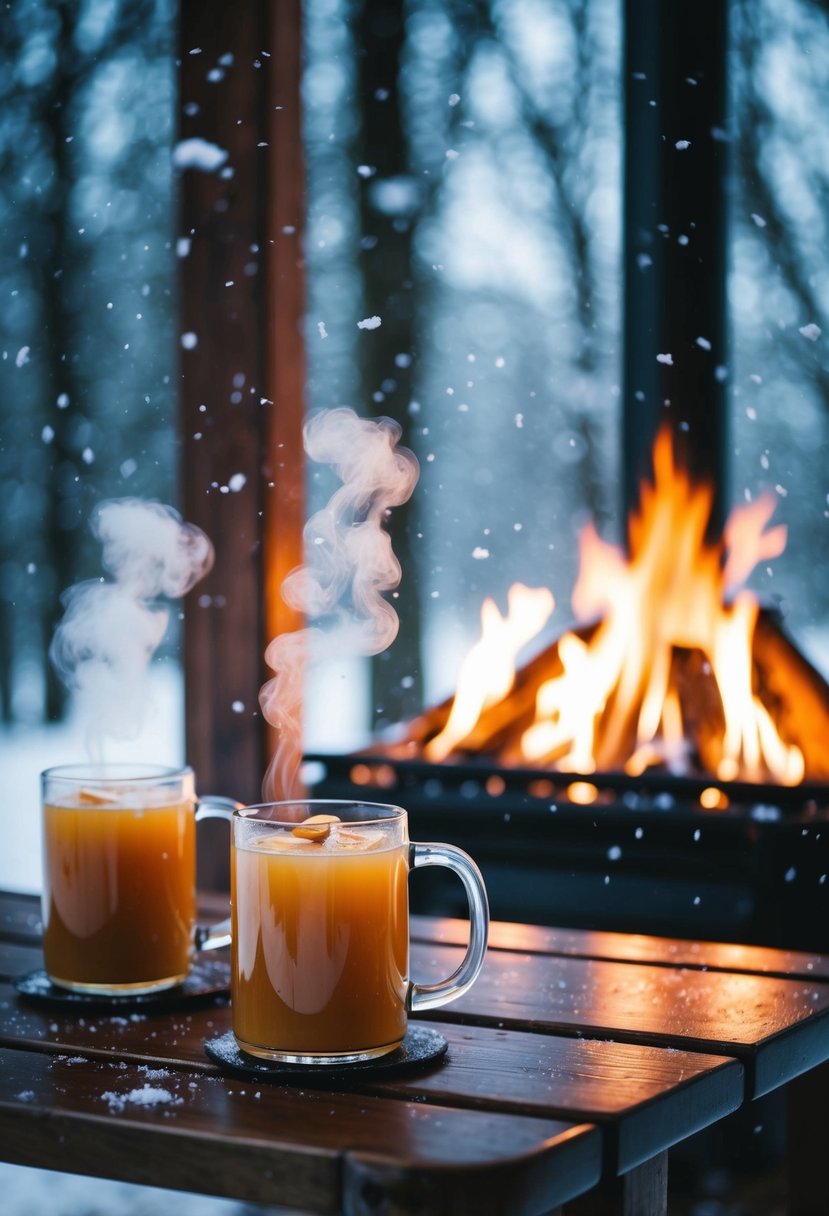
662	768
656	855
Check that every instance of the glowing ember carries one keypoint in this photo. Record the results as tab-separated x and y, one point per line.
624	697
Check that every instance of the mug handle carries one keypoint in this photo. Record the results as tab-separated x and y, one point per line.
429	996
213	937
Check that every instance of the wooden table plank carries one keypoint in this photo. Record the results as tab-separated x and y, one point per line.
158	1126
18	960
630	948
775	1026
561	1023
375	1183
20	921
647	1098
19	917
778	1028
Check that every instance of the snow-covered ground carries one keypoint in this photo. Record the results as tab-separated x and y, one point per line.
28	1192
26	750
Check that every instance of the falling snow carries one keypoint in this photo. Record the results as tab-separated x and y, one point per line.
22	357
810	331
199	154
667	359
369	323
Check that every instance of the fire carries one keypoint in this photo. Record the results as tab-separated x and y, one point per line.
488	671
676	605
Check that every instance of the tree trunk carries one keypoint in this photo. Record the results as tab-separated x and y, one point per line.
388	353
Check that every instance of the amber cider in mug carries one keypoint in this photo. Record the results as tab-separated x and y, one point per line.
322	950
119	877
320	930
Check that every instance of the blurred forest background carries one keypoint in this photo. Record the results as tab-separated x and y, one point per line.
464	163
87	110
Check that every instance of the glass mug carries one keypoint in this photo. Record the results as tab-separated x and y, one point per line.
119	877
320	930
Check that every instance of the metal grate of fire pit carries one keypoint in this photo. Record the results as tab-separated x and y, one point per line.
656	854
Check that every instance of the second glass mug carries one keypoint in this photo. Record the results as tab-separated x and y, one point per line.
320	929
119	877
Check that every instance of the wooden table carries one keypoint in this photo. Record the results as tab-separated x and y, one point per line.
575	1062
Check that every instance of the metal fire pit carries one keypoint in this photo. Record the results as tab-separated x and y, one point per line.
643	856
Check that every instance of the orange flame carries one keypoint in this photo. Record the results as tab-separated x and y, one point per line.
615	701
488	671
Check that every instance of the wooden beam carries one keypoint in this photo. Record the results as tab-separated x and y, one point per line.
643	1191
241	371
284	466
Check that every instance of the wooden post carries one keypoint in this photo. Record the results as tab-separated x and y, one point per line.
242	370
807	1165
643	1191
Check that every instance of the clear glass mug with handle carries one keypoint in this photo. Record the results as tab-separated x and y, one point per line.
320	929
119	876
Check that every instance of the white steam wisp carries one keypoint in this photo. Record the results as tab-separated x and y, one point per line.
349	564
110	630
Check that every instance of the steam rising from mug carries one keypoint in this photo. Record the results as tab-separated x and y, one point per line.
347	550
110	630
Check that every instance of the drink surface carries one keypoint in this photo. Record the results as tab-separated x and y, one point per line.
119	889
321	943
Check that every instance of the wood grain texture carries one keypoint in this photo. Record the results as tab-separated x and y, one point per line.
222	384
376	1185
543	1040
283	460
271	1144
778	1028
631	947
241	399
646	1098
20	920
17	960
19	917
642	1192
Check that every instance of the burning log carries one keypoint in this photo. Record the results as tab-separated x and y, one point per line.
792	691
796	693
681	669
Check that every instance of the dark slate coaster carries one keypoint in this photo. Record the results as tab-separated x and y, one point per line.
421	1047
207	981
